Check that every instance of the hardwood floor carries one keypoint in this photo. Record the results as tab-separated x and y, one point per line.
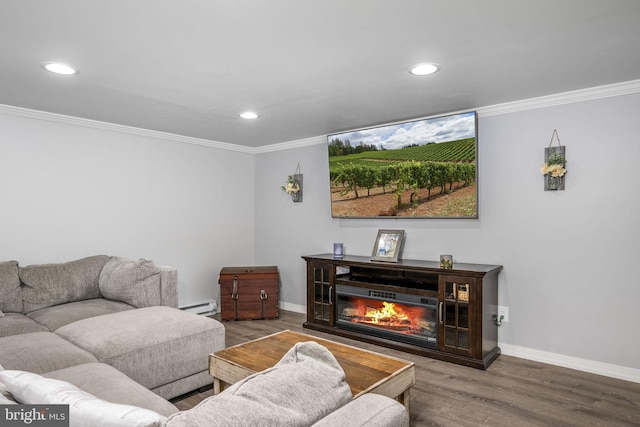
512	392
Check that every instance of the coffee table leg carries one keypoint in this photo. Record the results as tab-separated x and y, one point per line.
218	386
404	398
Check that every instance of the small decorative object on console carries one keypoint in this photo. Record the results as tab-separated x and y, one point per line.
446	261
338	250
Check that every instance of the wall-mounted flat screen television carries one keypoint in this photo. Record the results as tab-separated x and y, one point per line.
416	169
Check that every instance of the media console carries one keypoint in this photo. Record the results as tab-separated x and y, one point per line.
409	305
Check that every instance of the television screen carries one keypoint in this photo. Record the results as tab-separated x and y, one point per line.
417	169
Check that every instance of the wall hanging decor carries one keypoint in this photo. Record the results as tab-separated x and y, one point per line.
554	166
294	185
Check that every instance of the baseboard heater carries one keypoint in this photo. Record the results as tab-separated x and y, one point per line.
204	308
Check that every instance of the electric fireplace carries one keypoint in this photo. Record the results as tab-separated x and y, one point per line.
408	305
399	316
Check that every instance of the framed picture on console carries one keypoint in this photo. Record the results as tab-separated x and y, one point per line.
388	245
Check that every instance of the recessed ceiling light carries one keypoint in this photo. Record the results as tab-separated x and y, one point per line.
249	115
424	69
59	68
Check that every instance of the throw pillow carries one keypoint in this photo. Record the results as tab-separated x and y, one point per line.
84	408
10	291
305	386
47	285
5	397
4	400
134	282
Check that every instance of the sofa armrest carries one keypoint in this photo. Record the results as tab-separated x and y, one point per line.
369	410
168	286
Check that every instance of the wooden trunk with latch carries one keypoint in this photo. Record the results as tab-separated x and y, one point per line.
249	293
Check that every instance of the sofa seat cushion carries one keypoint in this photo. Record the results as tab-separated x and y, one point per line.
305	386
40	352
16	324
10	291
107	383
53	284
59	315
152	345
84	408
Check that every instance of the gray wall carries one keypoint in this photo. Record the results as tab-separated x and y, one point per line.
71	191
568	256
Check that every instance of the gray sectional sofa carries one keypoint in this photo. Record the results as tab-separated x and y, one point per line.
103	336
101	322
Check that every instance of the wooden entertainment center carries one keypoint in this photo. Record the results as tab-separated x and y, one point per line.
463	303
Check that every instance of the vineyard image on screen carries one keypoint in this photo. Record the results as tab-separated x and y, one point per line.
416	169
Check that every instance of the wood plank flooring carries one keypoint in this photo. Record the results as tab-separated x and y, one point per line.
512	392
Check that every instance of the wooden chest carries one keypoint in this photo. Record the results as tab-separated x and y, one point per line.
249	293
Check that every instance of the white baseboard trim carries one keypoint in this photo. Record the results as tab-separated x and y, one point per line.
204	308
591	366
297	308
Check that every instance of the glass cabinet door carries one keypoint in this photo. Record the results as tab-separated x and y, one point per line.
321	309
456	320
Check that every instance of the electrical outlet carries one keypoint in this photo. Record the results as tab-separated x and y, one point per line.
503	312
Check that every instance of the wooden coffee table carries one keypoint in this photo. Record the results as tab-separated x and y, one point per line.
366	371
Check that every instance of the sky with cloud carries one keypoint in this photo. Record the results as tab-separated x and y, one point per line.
438	129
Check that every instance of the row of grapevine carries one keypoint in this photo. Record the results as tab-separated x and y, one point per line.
463	150
402	176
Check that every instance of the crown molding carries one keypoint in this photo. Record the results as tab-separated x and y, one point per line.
582	95
307	142
129	130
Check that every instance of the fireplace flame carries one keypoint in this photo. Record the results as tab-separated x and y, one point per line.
388	311
396	317
390	315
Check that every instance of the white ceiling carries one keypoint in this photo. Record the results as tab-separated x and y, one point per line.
308	67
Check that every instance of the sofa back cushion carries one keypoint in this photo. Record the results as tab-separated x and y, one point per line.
305	386
10	291
134	282
52	284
